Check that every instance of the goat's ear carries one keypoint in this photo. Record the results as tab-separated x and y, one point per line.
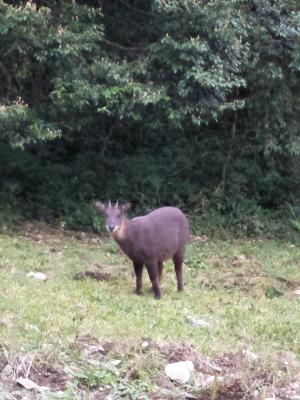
100	206
126	207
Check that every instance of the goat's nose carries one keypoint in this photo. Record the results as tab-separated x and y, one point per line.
111	227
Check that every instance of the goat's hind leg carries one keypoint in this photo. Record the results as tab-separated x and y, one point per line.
154	278
178	262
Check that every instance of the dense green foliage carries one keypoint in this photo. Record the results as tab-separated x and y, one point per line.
187	102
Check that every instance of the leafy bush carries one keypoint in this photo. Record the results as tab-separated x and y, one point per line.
194	104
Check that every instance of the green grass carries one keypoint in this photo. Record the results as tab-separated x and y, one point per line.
232	296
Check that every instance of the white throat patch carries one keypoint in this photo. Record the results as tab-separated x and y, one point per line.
119	232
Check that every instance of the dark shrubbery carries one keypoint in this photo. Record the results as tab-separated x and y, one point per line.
178	102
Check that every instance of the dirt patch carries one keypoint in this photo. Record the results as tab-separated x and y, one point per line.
242	272
230	279
33	231
248	276
91	347
239	375
98	276
198	239
30	367
181	352
230	376
53	233
46	375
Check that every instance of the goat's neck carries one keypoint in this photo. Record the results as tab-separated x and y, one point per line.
120	234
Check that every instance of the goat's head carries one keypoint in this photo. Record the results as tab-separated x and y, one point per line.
114	215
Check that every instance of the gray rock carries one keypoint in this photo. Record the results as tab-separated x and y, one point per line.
180	372
200	323
37	275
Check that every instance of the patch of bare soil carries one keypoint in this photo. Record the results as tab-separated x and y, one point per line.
230	376
229	279
91	347
198	239
104	394
29	369
98	276
181	352
243	272
235	376
49	376
51	232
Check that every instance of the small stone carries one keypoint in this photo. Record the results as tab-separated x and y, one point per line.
200	323
250	355
37	237
95	241
297	291
32	328
93	349
145	344
239	260
115	363
180	372
29	385
37	275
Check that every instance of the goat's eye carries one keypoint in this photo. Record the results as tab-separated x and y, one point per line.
118	215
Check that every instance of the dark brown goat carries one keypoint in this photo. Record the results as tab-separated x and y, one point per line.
149	240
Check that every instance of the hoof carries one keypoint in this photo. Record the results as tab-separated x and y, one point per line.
157	295
138	292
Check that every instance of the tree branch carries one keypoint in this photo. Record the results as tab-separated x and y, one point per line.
120	47
221	186
110	133
144	13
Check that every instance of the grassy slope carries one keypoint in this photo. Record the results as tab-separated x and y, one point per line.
226	291
231	298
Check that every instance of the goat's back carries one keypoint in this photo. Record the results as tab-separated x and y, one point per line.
160	234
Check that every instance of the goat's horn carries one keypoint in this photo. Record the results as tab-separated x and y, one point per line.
117	203
109	203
